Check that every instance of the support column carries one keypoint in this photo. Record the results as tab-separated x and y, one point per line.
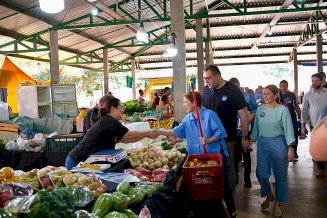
199	48
54	57
319	53
179	61
133	63
296	71
208	48
207	52
105	71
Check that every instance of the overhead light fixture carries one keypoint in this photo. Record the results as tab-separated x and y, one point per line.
94	11
141	34
270	31
52	6
172	48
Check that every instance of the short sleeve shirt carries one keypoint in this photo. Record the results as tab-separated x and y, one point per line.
225	101
290	100
104	134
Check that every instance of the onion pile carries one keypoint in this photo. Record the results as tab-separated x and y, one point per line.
154	157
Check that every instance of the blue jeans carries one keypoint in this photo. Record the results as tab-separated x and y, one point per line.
272	153
70	163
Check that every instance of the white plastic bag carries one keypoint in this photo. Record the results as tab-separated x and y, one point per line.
22	143
139	126
36	144
12	146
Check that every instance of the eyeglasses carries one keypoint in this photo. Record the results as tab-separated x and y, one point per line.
207	79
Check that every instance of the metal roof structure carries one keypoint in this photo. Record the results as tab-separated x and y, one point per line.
237	31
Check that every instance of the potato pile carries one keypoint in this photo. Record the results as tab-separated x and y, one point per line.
196	163
154	157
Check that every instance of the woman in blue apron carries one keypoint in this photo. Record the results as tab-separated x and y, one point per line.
274	134
213	132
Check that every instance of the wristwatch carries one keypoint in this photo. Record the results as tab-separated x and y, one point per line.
246	137
210	140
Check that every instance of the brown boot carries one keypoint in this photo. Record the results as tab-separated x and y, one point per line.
265	204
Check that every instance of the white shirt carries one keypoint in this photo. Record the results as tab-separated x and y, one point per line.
313	106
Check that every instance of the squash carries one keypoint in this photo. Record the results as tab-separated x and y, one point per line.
102	205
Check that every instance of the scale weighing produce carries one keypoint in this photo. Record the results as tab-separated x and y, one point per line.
109	156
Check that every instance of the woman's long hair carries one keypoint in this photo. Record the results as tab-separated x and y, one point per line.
274	89
107	101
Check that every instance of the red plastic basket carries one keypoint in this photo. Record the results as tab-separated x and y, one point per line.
204	183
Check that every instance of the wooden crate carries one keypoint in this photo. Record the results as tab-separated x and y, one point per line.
8	128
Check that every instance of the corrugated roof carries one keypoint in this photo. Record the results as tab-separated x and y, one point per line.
231	36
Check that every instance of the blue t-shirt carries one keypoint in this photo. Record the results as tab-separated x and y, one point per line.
252	108
258	97
325	111
211	126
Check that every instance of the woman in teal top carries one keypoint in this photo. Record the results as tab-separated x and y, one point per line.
274	134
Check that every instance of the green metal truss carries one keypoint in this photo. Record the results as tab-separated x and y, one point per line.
31	43
312	29
124	65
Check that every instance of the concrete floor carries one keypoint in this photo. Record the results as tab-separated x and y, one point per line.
307	194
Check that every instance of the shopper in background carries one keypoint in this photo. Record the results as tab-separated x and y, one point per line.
106	132
165	97
313	105
324	83
290	100
273	132
92	115
259	95
155	101
227	100
239	151
140	99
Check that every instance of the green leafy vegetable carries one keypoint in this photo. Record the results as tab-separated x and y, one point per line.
57	203
165	146
182	149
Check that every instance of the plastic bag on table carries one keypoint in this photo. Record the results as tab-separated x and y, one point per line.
84	214
24	122
12	146
145	213
27	134
22	143
36	144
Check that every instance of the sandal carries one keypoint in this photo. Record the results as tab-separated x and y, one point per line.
265	204
277	211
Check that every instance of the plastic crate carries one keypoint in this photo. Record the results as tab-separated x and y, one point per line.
204	183
62	143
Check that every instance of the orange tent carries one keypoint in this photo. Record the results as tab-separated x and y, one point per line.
10	77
